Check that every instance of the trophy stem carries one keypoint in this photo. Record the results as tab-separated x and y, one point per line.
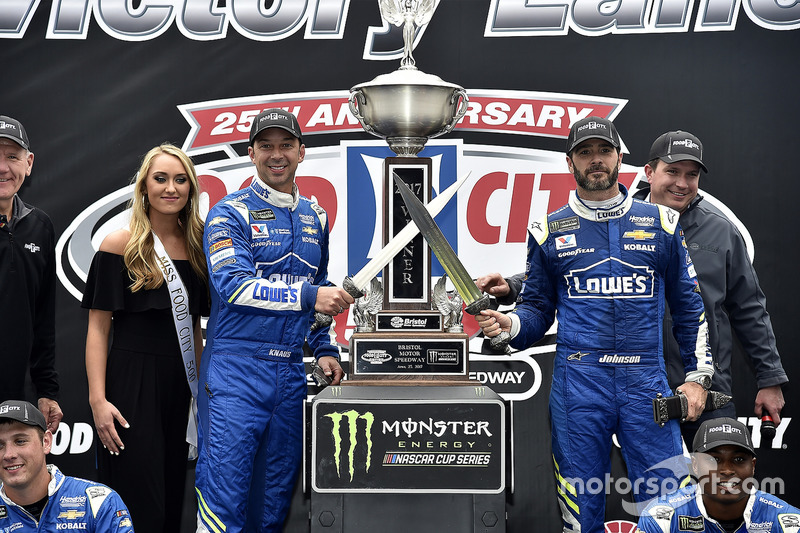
406	146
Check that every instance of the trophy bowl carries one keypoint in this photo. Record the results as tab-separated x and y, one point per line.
407	107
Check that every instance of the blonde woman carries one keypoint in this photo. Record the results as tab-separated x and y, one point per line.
140	385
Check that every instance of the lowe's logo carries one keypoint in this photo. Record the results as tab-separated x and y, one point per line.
610	278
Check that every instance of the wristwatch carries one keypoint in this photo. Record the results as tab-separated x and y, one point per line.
704	381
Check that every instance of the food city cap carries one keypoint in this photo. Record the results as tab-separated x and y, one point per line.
11	128
676	146
275	118
591	128
721	431
23	412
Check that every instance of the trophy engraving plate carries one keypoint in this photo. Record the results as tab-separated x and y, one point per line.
404	356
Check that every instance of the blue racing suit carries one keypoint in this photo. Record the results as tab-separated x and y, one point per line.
267	255
605	272
684	511
74	504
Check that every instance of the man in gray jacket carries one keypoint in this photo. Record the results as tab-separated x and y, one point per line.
729	286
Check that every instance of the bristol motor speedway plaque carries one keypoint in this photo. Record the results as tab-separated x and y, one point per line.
408	439
408	356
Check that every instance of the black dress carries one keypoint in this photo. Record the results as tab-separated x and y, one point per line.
146	381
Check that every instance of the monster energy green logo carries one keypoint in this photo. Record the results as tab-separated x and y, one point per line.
351	418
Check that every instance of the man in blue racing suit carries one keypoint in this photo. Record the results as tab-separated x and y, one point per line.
267	255
604	262
724	500
37	496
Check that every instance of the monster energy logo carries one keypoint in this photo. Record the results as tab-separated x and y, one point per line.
351	421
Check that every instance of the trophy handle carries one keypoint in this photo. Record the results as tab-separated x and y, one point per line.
462	110
357	99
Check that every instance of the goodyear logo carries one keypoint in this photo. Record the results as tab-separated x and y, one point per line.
348	422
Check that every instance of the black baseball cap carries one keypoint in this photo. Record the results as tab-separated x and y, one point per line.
275	118
721	431
11	128
592	128
675	146
23	412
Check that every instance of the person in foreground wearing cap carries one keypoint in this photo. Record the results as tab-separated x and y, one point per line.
620	257
725	498
268	258
731	293
28	282
37	496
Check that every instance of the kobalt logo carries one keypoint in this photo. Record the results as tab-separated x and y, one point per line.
351	427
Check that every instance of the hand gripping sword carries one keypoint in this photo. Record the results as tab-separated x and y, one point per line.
461	279
356	284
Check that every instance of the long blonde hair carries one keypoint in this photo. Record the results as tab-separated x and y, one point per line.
139	255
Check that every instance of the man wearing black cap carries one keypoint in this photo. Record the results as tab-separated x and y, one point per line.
28	282
731	293
268	258
725	498
605	262
37	496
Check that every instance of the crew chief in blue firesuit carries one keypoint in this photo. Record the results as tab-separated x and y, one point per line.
604	262
267	254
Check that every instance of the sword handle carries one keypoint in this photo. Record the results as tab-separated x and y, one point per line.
321	320
500	342
351	288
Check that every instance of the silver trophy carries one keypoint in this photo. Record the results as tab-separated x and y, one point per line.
407	107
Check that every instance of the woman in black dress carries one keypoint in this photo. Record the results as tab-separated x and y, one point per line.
139	389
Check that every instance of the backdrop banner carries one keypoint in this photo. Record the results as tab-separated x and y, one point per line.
98	83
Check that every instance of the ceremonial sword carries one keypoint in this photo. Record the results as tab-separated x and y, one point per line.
469	292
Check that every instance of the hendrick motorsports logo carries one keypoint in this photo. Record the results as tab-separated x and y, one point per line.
348	423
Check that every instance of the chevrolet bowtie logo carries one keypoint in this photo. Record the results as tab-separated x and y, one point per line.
72	514
638	235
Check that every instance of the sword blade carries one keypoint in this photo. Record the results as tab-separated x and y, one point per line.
436	240
400	240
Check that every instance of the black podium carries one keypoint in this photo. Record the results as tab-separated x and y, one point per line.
394	459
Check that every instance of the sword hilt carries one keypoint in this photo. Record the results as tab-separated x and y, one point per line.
351	288
321	320
500	342
478	305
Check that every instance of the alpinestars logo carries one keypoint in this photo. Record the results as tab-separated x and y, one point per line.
348	422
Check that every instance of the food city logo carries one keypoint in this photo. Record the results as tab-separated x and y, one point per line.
201	20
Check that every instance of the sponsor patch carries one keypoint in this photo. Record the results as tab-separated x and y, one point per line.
642	221
638	247
691	523
620	359
259	231
222	254
577	356
566	224
692	271
223	263
600	215
577	251
307	219
566	241
227	243
125	522
310	231
629	281
216	220
221	234
3	511
638	235
72	514
263	214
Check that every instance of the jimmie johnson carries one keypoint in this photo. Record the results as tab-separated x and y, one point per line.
604	263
